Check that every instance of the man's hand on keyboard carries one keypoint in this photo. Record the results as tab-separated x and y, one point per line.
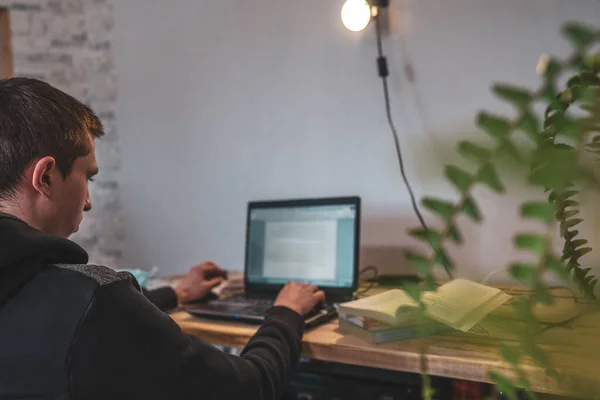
300	297
199	281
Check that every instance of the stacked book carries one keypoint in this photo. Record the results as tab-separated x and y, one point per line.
458	305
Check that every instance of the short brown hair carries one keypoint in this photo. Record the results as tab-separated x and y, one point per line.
38	120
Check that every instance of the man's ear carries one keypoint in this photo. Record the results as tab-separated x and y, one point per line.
44	173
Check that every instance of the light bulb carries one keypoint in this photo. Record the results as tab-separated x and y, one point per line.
356	14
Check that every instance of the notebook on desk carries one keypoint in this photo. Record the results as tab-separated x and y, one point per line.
312	241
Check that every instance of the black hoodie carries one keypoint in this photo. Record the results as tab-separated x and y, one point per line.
69	330
24	251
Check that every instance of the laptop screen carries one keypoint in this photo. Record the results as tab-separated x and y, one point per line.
310	244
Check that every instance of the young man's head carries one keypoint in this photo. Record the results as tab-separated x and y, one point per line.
47	155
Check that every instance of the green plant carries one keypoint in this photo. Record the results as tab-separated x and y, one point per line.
555	163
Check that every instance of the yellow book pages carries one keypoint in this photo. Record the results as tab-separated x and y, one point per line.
385	307
462	303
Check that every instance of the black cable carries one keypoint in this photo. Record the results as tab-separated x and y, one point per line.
383	73
371	280
370	268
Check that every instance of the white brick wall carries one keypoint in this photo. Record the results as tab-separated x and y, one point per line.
68	44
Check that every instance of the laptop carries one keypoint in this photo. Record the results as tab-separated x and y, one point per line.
312	241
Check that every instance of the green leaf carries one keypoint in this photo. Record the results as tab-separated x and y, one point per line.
593	62
540	210
460	178
442	259
419	262
509	148
542	295
573	266
495	126
570	246
577	62
521	305
569	203
454	234
525	384
470	208
552	69
547	135
443	208
555	111
413	290
429	283
564	231
570	127
579	35
571	234
567	194
568	95
574	81
553	166
580	273
505	386
589	78
569	214
572	222
522	272
430	236
521	98
474	152
532	242
488	175
588	94
530	124
536	353
511	356
577	254
551	97
551	118
550	177
579	242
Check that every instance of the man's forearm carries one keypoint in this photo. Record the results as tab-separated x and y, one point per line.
164	298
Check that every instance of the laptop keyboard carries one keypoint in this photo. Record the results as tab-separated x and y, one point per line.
254	306
244	301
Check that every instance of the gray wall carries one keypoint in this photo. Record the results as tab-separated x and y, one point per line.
226	101
68	43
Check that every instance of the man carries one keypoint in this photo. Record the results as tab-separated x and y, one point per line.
69	330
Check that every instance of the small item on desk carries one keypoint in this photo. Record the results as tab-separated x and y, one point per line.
232	283
143	277
460	304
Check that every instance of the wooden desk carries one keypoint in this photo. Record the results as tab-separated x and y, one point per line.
454	355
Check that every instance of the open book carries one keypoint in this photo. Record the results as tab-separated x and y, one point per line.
460	304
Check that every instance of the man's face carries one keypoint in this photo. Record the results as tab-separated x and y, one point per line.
72	197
